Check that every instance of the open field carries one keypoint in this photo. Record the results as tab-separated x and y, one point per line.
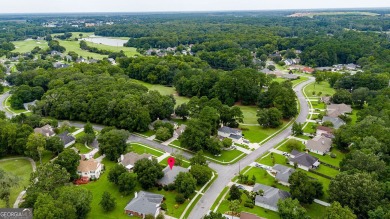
129	51
75	47
28	45
257	133
18	167
323	87
250	114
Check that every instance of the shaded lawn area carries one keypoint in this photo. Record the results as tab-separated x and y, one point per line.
173	209
180	121
81	134
279	80
325	183
285	149
353	116
250	114
265	178
25	46
315	211
327	171
224	207
257	133
323	87
140	149
82	149
148	133
332	161
269	161
303	137
226	156
18	167
310	128
46	157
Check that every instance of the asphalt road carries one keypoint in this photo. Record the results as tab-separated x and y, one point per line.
2	98
226	173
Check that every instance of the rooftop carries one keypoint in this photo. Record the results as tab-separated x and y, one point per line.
335	110
319	143
228	130
128	160
170	175
283	173
271	195
88	165
145	203
303	158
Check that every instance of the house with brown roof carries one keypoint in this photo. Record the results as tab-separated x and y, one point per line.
319	145
336	110
307	70
325	131
90	169
128	160
246	215
46	131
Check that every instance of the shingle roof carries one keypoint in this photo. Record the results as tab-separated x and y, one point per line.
271	195
66	138
145	203
235	136
170	175
245	215
335	110
336	121
46	131
283	172
88	165
131	158
319	143
229	130
303	158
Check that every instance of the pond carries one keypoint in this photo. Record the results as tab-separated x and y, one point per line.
106	41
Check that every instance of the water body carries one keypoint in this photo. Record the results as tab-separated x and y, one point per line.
106	41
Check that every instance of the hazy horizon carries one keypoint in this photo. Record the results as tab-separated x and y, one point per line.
156	6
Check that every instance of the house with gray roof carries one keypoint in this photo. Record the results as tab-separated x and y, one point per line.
67	138
144	203
336	121
336	110
282	173
319	144
290	76
271	196
232	133
304	160
170	175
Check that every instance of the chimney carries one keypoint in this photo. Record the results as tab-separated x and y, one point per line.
122	157
323	142
135	194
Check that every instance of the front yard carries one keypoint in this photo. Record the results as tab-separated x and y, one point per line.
140	149
257	134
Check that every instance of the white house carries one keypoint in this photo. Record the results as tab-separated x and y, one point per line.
90	169
234	134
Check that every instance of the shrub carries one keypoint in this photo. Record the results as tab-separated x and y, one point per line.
248	205
171	187
164	206
332	155
165	188
180	198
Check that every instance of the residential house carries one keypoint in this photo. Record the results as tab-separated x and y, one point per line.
93	61
60	65
325	131
128	160
68	58
67	138
290	76
112	61
307	70
170	175
282	173
319	145
246	215
232	133
81	60
326	100
55	53
46	131
271	196
352	66
144	203
304	160
336	121
336	110
90	169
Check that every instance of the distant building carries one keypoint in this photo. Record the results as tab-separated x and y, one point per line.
60	65
271	196
282	173
304	160
128	160
170	175
90	169
67	139
307	70
144	203
46	131
319	145
290	76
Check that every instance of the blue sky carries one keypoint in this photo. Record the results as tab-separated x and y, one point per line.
40	6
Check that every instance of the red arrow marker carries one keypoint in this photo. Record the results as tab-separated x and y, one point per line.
171	162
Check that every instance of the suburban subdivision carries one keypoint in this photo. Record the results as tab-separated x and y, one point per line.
196	115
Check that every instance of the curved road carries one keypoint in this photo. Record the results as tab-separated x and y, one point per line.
2	107
226	173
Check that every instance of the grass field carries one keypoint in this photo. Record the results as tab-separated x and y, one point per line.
28	45
250	114
82	149
265	178
226	156
284	146
18	167
129	51
323	87
140	149
75	47
332	161
257	133
273	159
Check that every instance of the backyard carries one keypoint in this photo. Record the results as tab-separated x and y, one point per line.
257	133
322	87
250	114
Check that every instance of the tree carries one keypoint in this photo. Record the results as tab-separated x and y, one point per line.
47	207
227	142
353	190
198	158
291	209
113	143
271	67
115	172
7	182
336	211
70	160
367	162
269	118
342	96
214	215
294	145
149	216
202	174
78	197
234	206
304	189
88	128
148	172
359	96
182	111
107	202
163	134
297	129
234	193
196	135
35	146
126	183
185	184
180	198
54	144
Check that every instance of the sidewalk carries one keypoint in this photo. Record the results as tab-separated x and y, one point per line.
246	151
162	157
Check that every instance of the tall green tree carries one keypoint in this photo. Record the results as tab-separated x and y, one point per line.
291	209
36	144
303	188
113	143
185	184
126	183
107	202
148	172
7	182
336	211
70	160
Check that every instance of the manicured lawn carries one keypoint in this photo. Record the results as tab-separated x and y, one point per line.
185	163
279	80
224	207
327	171
129	51
82	148
28	45
140	149
315	211
176	142
310	128
303	137
332	161
174	210
75	47
265	178
353	116
148	133
317	105
284	146
18	167
298	81
323	87
46	157
81	134
269	161
226	156
257	133
250	114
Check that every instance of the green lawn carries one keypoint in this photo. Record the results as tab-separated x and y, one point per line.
75	47
279	80
174	210
226	156
284	146
298	81
332	161
310	128
250	114
325	183
263	177
317	105
327	171
46	157
323	87
185	163
269	161
129	51
28	45
257	133
353	116
219	197
176	142
5	90
140	149
81	134
315	211
82	148
76	34
148	133
18	167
